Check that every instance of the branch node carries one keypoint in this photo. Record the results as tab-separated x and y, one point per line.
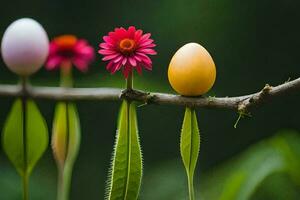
242	113
241	107
266	89
211	98
251	100
25	88
131	94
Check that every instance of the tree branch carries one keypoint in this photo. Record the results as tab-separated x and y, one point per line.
239	103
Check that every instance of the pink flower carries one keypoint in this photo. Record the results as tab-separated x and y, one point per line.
66	50
127	49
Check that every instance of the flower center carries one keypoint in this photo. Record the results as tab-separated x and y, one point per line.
127	46
66	53
66	41
66	44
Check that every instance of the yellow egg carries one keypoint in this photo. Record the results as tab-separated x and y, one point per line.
192	71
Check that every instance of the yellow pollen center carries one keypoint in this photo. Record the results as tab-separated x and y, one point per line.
127	46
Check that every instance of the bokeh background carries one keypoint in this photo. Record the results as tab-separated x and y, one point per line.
252	43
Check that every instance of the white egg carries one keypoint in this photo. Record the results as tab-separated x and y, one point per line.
25	46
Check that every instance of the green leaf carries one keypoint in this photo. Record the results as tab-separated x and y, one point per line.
24	142
126	170
256	174
74	134
190	145
65	143
66	133
190	141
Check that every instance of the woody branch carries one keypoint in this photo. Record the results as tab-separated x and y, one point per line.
238	103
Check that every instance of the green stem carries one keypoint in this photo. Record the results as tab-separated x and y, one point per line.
25	175
128	157
65	171
129	84
60	188
25	182
129	81
190	174
191	187
64	182
238	119
66	79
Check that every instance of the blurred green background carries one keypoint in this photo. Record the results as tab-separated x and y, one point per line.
252	43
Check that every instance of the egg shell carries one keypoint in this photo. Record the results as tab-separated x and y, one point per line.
192	71
25	46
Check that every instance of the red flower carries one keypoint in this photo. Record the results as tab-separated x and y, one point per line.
66	50
127	49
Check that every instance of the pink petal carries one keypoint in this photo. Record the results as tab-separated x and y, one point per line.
137	58
147	66
86	54
87	51
105	58
147	51
80	64
138	34
53	48
147	46
131	32
117	66
110	65
124	61
145	37
106	46
53	62
132	61
120	33
139	69
118	59
113	34
106	52
145	58
126	70
108	40
147	42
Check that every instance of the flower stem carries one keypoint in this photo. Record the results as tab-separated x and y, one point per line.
66	75
25	182
129	81
65	170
